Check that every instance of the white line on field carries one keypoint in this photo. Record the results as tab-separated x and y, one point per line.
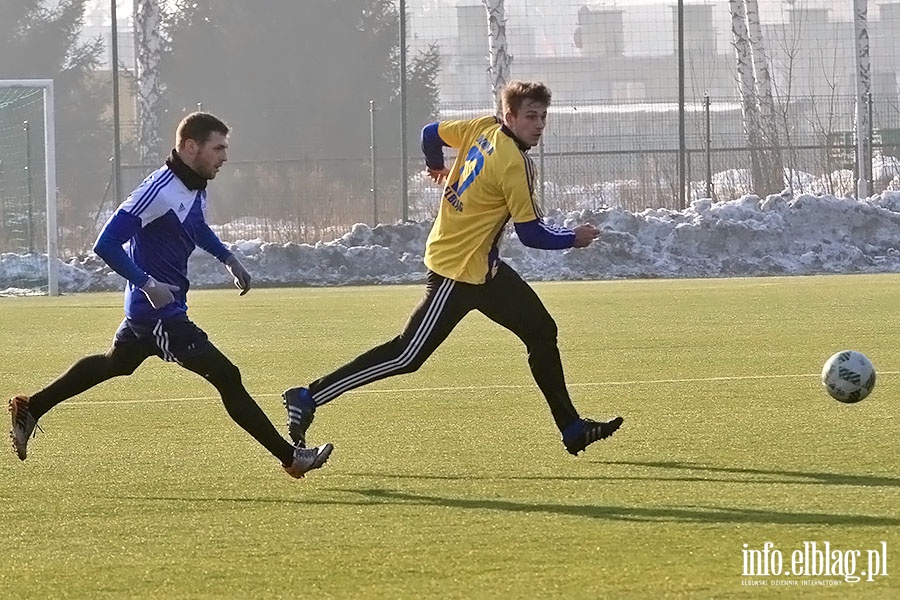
474	387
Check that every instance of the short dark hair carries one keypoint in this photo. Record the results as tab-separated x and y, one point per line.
517	91
198	126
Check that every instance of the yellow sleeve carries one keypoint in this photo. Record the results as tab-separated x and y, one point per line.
457	133
516	187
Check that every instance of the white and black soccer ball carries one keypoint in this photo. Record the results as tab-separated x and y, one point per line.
848	376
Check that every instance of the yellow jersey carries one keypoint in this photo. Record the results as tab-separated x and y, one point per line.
491	181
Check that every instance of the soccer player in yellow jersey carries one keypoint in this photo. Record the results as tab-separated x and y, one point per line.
491	182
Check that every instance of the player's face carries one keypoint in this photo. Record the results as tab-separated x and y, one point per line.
209	156
529	123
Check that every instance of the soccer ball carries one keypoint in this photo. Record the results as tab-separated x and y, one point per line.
848	376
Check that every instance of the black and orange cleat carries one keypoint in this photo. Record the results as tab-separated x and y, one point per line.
23	425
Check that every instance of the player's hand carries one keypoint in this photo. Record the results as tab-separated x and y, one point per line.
585	234
159	293
240	274
437	175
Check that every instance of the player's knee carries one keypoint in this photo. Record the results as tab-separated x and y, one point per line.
407	368
411	366
543	331
229	374
120	366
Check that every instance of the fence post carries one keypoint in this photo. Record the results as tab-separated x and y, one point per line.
863	87
869	109
687	178
541	171
374	188
404	157
117	120
30	216
682	143
706	109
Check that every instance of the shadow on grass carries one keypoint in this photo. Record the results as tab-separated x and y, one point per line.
699	473
802	477
662	514
681	514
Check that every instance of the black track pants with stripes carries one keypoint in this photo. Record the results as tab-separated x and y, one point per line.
506	299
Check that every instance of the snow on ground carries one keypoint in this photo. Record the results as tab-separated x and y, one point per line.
778	235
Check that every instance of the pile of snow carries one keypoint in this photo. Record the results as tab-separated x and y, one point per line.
778	235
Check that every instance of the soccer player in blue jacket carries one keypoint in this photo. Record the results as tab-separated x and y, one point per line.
491	182
148	241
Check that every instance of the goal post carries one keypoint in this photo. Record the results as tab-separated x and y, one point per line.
17	210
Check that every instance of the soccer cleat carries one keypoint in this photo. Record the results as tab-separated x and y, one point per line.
23	425
301	410
583	432
307	459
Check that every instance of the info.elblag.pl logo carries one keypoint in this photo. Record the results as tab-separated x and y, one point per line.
821	561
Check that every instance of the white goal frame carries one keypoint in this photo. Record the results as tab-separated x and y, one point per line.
49	174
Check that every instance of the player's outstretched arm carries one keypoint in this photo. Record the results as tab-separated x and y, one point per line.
537	234
433	149
158	293
437	175
207	239
584	235
239	273
120	228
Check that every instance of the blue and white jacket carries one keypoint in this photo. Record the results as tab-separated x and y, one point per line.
153	233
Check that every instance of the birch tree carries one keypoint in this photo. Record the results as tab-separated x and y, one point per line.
500	59
148	47
863	90
741	41
772	167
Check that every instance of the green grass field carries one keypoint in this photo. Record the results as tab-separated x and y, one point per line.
452	482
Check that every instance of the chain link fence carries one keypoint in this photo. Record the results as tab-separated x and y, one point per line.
613	137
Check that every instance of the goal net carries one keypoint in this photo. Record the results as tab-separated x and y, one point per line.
28	235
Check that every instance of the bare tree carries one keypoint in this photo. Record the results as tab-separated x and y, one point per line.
741	41
148	46
785	60
825	118
808	109
772	168
863	91
500	59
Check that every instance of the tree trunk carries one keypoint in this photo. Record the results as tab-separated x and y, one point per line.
863	93
148	43
741	41
500	60
772	166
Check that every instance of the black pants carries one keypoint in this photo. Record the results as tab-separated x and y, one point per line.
506	299
177	340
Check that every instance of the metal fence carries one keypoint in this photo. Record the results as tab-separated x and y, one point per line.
593	156
613	137
633	165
